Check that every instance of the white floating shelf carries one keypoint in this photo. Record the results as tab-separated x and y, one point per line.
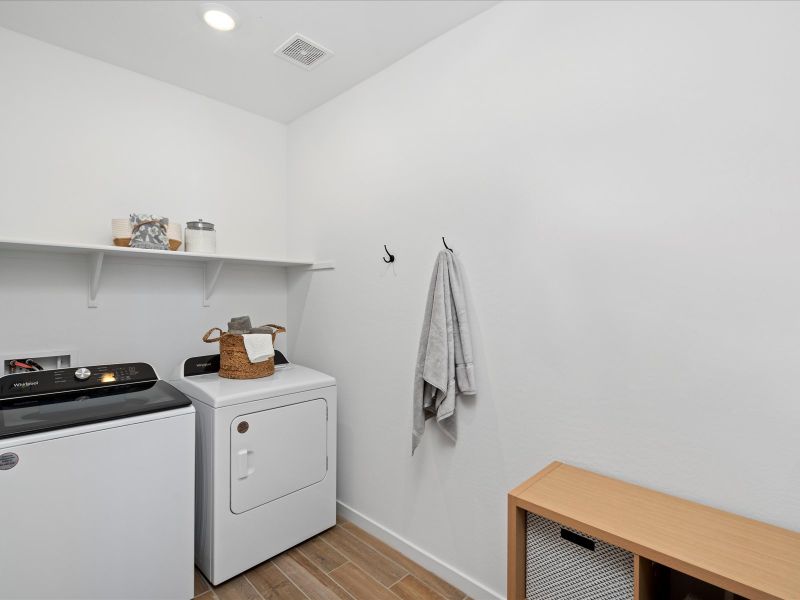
97	254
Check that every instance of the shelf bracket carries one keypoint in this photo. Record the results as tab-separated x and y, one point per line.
210	278
95	268
321	266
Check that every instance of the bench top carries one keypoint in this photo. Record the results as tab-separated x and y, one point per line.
744	556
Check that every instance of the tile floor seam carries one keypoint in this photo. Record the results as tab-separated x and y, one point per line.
429	588
386	587
347	562
293	582
252	585
300	550
346	591
371	577
466	597
328	574
435	591
392	592
337	584
401	567
399	580
343	553
331	545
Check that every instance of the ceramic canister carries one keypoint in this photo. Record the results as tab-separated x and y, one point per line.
201	237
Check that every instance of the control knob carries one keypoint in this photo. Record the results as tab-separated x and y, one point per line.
82	373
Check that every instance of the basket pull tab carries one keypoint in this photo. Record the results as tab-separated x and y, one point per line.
577	539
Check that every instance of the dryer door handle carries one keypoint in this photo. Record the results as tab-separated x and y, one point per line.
245	470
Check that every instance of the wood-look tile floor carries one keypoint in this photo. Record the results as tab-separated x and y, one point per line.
342	563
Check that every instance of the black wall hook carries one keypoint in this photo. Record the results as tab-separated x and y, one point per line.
445	244
391	256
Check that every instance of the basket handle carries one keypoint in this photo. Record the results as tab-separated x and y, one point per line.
278	329
207	337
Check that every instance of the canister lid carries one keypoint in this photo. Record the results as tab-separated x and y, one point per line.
200	224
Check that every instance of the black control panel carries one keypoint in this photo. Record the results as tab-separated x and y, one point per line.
22	385
205	365
201	365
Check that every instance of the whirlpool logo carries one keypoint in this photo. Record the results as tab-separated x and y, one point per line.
25	384
8	461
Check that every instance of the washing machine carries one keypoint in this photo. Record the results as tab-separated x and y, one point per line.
96	485
265	462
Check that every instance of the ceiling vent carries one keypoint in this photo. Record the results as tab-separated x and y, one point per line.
301	51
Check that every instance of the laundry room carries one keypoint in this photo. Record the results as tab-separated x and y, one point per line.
399	299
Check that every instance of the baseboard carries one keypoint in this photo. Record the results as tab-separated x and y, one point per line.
466	584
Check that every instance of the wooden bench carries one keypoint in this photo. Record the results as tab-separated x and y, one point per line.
743	556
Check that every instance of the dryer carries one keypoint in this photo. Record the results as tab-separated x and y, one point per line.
265	462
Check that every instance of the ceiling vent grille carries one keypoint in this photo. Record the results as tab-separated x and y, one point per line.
301	51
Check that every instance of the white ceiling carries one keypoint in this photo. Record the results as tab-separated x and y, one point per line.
168	40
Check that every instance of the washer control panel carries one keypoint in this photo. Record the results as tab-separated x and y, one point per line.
65	380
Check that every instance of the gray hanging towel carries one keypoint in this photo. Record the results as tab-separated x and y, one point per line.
444	361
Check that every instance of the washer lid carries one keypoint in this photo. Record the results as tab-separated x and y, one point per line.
217	391
47	412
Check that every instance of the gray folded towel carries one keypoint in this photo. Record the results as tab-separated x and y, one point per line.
263	329
444	361
242	325
239	325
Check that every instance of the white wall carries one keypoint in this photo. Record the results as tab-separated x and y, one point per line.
84	141
620	181
149	311
81	142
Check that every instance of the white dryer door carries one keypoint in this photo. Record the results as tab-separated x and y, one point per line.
276	452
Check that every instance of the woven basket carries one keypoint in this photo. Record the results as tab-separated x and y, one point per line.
233	360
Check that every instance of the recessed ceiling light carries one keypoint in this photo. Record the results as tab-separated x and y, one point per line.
219	18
